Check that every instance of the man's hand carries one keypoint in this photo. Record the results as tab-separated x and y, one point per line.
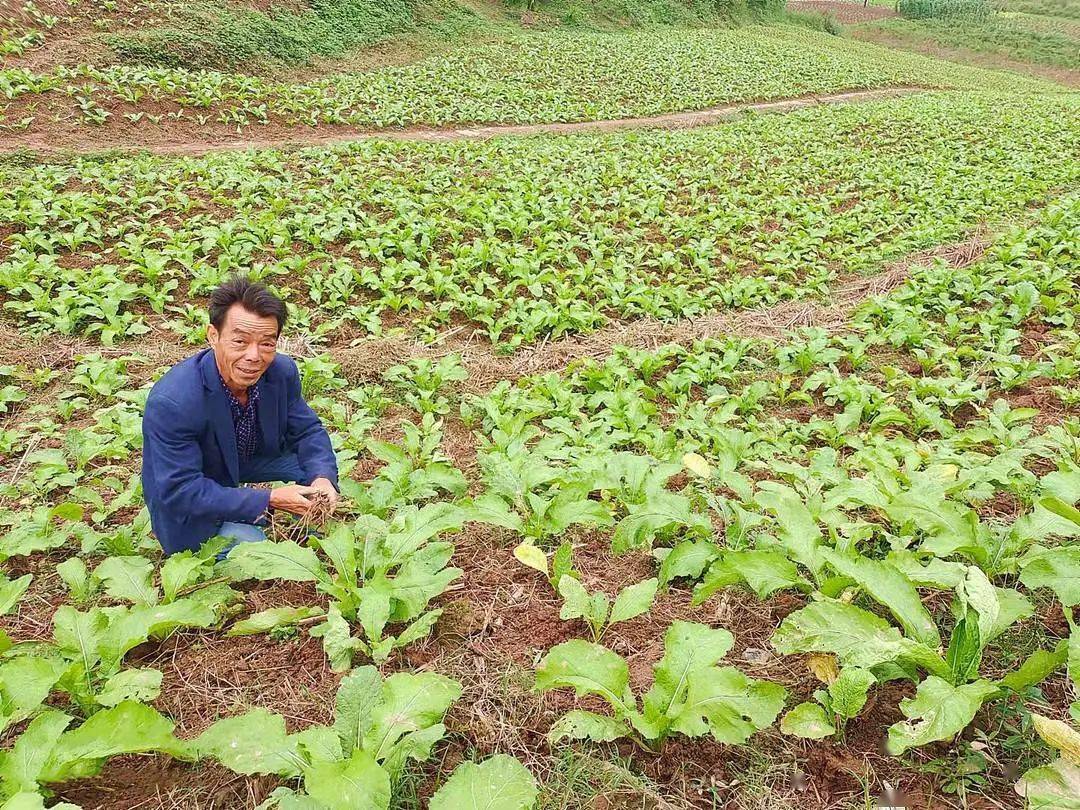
292	498
330	494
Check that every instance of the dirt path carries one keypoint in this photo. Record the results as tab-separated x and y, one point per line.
173	141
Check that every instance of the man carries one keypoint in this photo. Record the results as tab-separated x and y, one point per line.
233	414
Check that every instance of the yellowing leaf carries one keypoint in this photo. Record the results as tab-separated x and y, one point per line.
697	465
1060	736
824	668
529	555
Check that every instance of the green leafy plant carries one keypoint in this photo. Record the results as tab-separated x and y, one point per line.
378	573
380	726
690	694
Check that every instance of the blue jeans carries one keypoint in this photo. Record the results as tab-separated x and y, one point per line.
256	471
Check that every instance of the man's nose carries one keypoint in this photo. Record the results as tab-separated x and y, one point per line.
251	352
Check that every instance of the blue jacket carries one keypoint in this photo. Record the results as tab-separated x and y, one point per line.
191	470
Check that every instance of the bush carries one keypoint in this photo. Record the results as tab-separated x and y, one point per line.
210	35
941	9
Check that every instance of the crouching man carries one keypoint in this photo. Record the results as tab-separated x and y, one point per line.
233	414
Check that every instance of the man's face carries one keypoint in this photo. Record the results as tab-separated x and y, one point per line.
244	347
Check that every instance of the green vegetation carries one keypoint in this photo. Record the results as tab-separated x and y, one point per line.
527	239
213	35
1048	8
1038	34
671	461
945	9
1016	38
525	78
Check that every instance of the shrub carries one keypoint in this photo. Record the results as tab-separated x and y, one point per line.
939	9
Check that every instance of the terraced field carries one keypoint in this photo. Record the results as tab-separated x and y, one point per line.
728	467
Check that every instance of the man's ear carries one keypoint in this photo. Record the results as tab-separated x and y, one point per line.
212	335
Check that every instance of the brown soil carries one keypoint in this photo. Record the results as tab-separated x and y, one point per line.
188	137
844	12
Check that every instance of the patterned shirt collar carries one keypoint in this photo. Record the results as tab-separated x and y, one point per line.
245	420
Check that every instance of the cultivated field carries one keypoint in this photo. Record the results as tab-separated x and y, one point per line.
702	464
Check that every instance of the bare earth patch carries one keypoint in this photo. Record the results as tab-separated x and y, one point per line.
844	12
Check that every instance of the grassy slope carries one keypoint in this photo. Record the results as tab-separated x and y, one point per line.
206	34
1036	32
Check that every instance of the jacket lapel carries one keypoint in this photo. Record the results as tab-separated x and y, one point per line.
267	412
220	417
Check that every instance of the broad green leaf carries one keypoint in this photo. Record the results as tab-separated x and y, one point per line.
410	702
688	647
375	606
809	721
530	556
765	571
577	603
339	545
798	532
857	637
588	669
74	574
492	509
357	696
939	711
661	512
633	600
562	562
284	560
1052	787
78	634
318	742
416	746
582	725
418	629
129	579
1061	509
127	728
11	590
181	571
133	626
252	743
977	592
498	783
1012	607
1054	568
21	766
266	620
143	685
688	559
25	683
34	801
1036	667
356	783
338	642
847	694
933	573
965	649
727	704
892	590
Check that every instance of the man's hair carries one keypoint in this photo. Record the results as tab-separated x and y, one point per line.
251	295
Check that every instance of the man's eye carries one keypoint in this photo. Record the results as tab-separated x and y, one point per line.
269	347
237	342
